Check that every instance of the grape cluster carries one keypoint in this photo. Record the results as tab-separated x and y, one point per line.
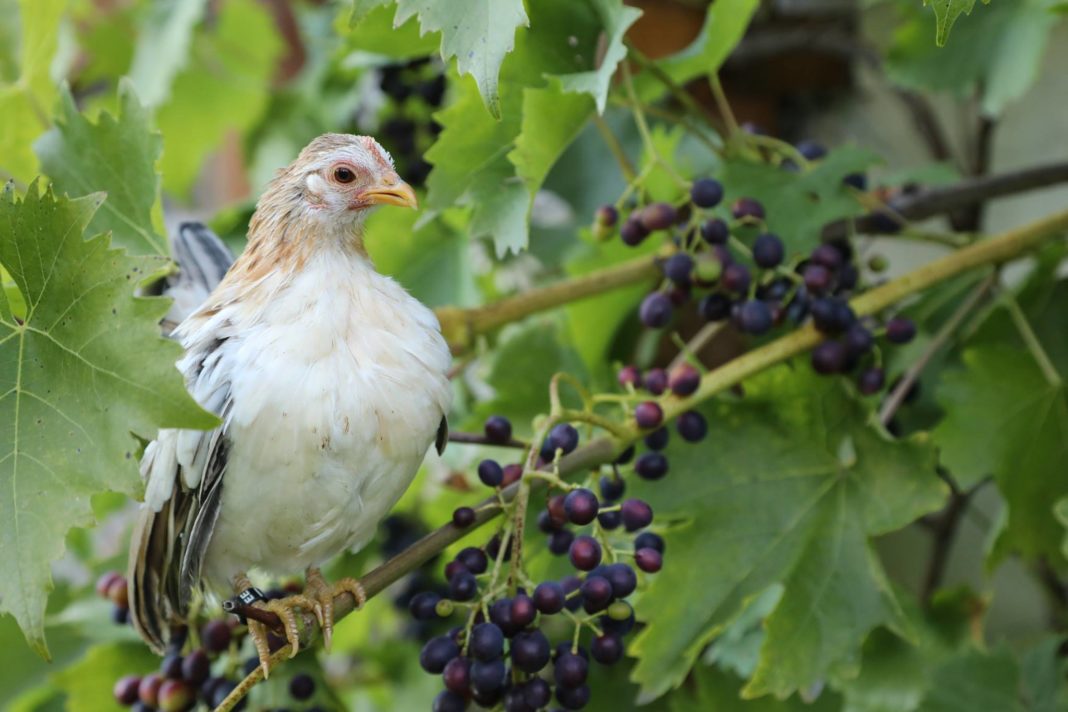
525	644
739	272
205	675
415	89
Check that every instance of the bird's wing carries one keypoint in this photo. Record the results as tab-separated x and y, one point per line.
183	473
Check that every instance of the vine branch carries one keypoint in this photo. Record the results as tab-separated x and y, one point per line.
994	251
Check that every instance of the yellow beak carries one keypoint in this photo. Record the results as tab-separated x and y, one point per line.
395	193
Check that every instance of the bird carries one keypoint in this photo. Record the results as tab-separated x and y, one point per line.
331	384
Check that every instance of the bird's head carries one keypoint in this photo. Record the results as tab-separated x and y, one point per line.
343	175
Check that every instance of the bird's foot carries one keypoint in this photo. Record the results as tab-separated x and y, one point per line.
324	594
286	610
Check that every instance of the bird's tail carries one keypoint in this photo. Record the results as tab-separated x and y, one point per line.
154	605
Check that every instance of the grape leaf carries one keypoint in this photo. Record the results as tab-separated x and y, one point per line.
798	204
85	369
88	682
116	156
946	13
1006	417
162	48
24	104
616	19
362	8
375	34
714	689
479	33
225	89
974	681
787	489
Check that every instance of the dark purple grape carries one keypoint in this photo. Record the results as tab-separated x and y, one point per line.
196	667
648	414
148	690
498	429
811	150
658	216
570	670
714	307
448	701
423	606
871	381
692	426
301	686
706	192
632	232
501	616
573	698
828	256
488	676
487	642
453	568
537	693
848	277
585	552
648	560
463	517
571	584
607	649
473	559
625	456
735	278
622	578
715	231
831	315
556	509
171	667
830	357
463	586
581	506
606	216
493	548
457	675
523	610
612	487
754	317
560	542
610	520
549	597
125	690
636	514
437	652
858	340
120	615
900	330
747	208
176	696
678	268
564	437
651	466
596	593
655	310
649	540
546	523
490	473
530	651
655	381
768	250
512	473
856	180
817	278
684	380
657	440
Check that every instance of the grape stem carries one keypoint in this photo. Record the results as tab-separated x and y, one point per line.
995	251
1034	345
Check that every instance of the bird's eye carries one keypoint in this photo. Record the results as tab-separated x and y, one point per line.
344	175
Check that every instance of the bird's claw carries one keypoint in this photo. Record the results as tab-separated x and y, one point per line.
325	593
286	610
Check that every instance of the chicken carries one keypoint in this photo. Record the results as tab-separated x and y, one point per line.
330	382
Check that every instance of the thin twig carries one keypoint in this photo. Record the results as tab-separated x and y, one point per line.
1034	345
900	392
477	439
612	141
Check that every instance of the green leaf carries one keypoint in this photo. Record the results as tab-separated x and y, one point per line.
479	33
799	204
997	51
1043	673
163	47
787	489
88	683
375	33
116	156
946	14
974	681
86	369
362	8
225	89
616	19
24	104
714	689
